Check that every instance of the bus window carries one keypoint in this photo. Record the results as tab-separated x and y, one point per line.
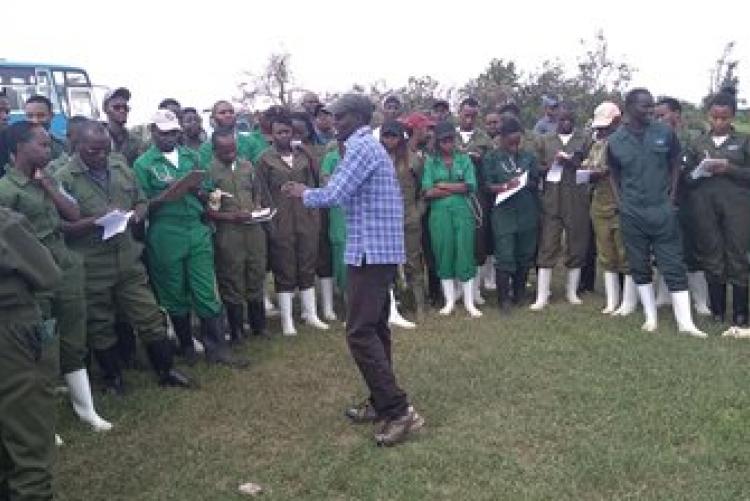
81	103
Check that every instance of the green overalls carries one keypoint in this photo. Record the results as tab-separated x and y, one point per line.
515	220
336	224
178	243
605	214
294	232
28	363
721	208
240	248
67	303
451	221
115	277
647	217
565	206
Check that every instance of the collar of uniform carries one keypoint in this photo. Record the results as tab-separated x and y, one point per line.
274	158
18	177
76	165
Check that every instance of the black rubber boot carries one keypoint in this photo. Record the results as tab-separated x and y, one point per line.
235	317
183	331
520	277
739	306
126	345
717	295
109	363
502	282
216	347
160	354
256	317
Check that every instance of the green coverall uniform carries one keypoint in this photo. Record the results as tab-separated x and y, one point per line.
605	214
515	220
451	221
240	247
115	276
28	363
477	146
295	230
565	205
721	208
67	303
336	224
178	243
642	165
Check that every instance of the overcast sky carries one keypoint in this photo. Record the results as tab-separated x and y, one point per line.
196	51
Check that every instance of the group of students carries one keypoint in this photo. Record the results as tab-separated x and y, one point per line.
482	207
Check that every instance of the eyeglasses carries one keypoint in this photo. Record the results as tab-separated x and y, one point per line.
120	107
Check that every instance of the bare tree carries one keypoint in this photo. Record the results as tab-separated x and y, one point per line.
724	72
274	86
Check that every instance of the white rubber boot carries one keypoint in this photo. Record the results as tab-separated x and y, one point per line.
326	296
543	279
83	403
449	291
629	298
488	270
58	441
395	318
310	311
468	288
571	285
662	292
648	300
285	310
477	282
699	292
681	309
611	291
271	310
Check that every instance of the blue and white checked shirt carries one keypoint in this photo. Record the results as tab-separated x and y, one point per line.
365	187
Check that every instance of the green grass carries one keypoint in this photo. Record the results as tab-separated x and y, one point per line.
566	404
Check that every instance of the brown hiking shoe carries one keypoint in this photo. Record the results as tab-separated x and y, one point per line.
363	413
398	429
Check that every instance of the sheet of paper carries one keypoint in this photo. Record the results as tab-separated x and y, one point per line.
702	169
262	215
554	174
114	223
523	179
583	176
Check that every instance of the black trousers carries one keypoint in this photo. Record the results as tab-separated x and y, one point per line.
369	337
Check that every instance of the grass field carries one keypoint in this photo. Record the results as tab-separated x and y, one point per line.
566	404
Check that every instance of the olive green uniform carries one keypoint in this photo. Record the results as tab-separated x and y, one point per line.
336	230
28	363
648	221
178	243
115	276
605	214
451	220
721	208
685	212
477	146
130	146
240	248
565	206
295	230
67	303
515	220
409	179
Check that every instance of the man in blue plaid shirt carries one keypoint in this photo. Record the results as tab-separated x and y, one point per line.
365	186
